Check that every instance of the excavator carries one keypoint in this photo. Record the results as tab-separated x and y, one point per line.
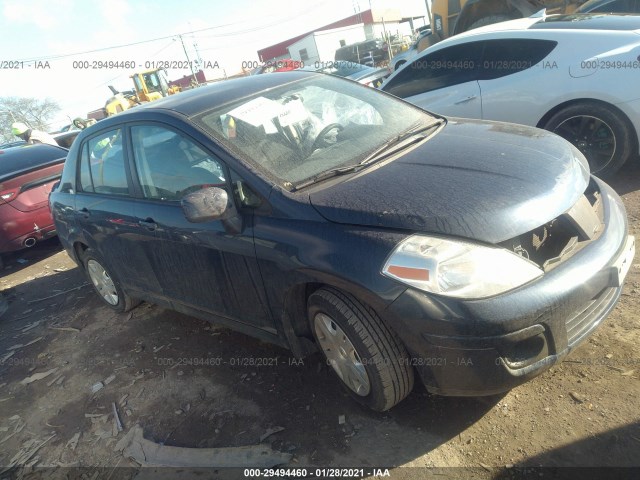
148	86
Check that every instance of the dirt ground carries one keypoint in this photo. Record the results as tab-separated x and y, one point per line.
184	381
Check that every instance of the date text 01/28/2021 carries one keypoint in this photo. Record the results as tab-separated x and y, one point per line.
317	472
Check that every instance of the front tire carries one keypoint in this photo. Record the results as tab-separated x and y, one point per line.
601	133
105	284
367	356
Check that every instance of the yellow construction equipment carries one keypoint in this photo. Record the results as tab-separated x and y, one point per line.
148	86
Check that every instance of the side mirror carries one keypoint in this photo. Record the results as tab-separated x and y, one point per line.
209	204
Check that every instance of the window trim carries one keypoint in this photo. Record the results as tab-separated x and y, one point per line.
127	167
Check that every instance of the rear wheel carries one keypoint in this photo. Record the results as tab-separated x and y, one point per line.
367	356
105	284
601	133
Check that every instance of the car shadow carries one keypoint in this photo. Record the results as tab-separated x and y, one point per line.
585	459
16	261
627	180
230	388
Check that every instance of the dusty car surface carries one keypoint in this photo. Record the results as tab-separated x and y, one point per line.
27	174
313	212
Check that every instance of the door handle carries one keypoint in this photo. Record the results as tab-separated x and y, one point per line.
85	212
465	100
148	223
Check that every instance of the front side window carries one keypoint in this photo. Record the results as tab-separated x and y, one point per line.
303	128
102	167
170	165
443	68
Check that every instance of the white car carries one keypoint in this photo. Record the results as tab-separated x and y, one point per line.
576	75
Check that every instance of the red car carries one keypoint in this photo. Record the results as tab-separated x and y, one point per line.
27	174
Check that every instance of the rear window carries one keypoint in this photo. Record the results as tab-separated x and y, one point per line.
28	157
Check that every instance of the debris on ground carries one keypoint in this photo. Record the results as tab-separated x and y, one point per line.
341	419
73	442
38	376
116	417
577	397
149	454
97	387
270	432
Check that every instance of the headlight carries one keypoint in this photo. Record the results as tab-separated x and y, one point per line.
457	268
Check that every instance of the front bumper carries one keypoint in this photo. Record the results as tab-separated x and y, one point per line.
488	346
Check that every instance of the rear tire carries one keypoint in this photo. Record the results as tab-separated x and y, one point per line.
369	358
105	283
488	20
601	133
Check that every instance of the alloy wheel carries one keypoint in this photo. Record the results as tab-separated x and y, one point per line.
592	136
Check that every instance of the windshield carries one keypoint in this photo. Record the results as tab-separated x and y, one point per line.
304	128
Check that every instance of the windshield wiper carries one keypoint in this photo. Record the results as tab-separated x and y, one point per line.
334	172
416	134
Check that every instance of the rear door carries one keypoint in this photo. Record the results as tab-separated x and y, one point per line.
515	75
444	82
200	265
105	211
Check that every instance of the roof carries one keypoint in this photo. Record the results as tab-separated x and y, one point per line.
280	49
200	99
587	21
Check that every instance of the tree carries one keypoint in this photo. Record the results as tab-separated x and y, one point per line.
32	111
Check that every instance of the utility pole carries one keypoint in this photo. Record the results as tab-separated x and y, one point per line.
426	2
189	61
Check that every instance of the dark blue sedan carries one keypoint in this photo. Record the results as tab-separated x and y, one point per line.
319	214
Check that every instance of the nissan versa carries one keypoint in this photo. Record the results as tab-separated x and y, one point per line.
314	212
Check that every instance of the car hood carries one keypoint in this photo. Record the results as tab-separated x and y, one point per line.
487	181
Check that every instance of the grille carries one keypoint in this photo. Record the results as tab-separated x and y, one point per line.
554	242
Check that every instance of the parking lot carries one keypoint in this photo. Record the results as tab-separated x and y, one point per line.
66	361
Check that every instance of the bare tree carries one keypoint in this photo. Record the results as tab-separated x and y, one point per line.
34	112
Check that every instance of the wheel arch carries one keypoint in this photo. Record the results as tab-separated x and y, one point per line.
294	318
547	116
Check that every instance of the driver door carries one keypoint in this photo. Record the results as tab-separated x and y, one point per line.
199	265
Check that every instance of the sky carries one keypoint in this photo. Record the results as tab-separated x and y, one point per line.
51	40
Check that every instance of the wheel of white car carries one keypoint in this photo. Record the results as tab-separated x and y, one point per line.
399	64
600	132
105	284
366	355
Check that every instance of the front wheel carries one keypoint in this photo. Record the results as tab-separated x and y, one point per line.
105	284
367	356
601	133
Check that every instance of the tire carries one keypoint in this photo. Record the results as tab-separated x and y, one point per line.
375	361
399	64
488	20
581	122
106	284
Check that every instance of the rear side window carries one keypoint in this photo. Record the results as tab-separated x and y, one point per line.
513	55
102	168
444	68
